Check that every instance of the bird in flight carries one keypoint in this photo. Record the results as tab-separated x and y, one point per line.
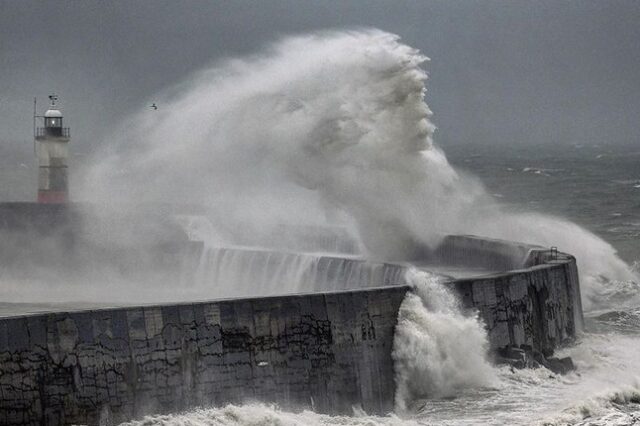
153	106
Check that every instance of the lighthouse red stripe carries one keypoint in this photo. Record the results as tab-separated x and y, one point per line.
52	197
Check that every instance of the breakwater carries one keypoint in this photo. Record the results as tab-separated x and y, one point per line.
327	351
323	350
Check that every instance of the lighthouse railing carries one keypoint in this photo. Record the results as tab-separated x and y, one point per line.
60	132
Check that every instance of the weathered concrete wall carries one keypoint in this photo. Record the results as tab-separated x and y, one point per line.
322	351
536	302
326	351
538	307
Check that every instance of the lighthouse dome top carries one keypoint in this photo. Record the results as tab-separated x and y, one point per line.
53	112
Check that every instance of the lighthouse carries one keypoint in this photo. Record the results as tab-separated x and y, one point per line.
52	150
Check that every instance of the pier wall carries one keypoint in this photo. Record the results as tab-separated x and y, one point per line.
538	307
322	351
536	302
328	352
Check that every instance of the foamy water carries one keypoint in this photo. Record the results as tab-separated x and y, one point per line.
438	350
263	414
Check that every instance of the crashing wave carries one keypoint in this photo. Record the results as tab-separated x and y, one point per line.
438	350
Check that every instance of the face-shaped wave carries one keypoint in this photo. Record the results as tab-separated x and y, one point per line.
326	128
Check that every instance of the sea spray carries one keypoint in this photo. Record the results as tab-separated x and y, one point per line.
329	128
438	350
604	277
326	128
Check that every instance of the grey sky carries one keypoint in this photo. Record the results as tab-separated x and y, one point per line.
502	72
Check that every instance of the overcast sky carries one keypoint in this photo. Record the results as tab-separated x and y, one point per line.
502	72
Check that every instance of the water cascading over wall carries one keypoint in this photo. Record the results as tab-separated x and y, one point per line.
249	272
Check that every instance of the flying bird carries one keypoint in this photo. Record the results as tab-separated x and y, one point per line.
153	106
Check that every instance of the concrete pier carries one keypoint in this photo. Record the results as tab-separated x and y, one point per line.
326	351
321	351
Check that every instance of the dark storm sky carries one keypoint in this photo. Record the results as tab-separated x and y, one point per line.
502	72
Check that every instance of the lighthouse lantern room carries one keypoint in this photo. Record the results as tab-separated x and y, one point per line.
51	144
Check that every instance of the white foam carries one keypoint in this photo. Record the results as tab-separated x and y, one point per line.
438	351
262	414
